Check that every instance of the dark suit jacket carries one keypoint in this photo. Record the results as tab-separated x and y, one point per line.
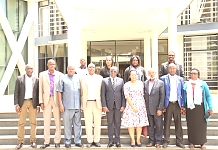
154	100
108	94
180	83
164	69
19	91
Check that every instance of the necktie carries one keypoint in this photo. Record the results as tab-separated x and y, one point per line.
113	83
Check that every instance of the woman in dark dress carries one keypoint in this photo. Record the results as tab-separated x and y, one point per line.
105	71
198	104
135	63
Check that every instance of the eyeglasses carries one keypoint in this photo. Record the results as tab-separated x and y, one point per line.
171	55
194	73
113	71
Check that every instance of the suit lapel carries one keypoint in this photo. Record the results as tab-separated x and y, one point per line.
24	82
47	77
155	83
147	86
34	80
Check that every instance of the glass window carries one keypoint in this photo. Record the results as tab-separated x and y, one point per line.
99	50
12	14
202	55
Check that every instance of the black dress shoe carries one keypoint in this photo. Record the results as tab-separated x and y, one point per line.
79	145
118	144
110	145
33	144
57	145
19	146
68	145
97	144
44	146
180	145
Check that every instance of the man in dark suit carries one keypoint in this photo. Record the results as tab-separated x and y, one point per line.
113	102
164	66
26	97
154	97
173	105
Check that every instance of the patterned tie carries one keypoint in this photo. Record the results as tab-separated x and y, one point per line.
113	83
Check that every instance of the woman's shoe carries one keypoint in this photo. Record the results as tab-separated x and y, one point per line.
132	145
203	147
191	146
139	145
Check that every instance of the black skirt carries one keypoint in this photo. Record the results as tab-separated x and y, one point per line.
197	125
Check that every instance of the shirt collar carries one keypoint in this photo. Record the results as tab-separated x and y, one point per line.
28	76
82	68
51	73
172	76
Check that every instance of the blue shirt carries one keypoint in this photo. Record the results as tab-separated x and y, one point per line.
70	89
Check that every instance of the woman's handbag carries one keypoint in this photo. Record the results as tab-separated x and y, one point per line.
145	131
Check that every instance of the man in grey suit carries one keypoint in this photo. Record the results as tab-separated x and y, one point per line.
154	97
26	98
113	102
164	66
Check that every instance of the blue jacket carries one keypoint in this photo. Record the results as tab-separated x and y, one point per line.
206	95
180	82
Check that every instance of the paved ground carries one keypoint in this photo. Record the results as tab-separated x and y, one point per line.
7	103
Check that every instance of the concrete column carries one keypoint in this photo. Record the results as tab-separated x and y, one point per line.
74	40
32	49
147	53
155	51
179	58
172	31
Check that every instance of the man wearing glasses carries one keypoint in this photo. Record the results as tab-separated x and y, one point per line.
113	103
171	59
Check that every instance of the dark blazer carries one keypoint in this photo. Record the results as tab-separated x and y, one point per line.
164	69
19	91
109	94
105	72
154	100
180	83
126	75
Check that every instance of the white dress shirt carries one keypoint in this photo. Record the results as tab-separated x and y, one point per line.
28	87
173	88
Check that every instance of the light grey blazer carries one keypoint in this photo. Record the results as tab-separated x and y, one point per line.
154	100
109	94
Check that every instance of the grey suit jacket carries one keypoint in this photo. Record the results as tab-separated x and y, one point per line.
164	69
19	91
154	100
109	94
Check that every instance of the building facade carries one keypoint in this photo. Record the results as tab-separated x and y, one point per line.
35	31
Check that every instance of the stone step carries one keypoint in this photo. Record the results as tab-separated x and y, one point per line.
124	139
211	131
40	122
40	115
103	147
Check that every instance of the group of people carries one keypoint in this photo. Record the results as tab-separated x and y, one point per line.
134	102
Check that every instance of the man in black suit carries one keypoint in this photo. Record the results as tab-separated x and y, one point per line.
154	97
164	66
26	98
113	102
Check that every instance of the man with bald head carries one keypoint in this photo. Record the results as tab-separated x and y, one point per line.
154	98
48	100
82	70
69	102
91	105
26	98
173	105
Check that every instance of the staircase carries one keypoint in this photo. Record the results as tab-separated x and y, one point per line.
9	123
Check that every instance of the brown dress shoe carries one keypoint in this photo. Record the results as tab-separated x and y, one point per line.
149	145
19	146
33	144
